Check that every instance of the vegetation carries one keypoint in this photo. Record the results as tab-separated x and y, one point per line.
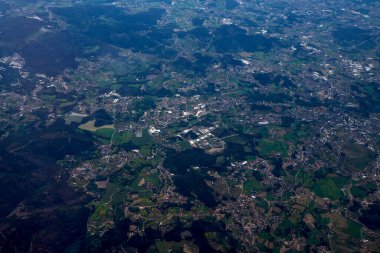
269	148
330	187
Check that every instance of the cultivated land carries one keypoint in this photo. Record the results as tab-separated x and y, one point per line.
189	126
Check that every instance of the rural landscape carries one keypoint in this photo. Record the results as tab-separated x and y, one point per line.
193	126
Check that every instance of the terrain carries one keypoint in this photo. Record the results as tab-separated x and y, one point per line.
189	126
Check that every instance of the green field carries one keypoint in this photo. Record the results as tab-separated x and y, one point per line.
353	229
270	148
251	185
105	133
130	137
358	157
100	213
298	133
330	187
